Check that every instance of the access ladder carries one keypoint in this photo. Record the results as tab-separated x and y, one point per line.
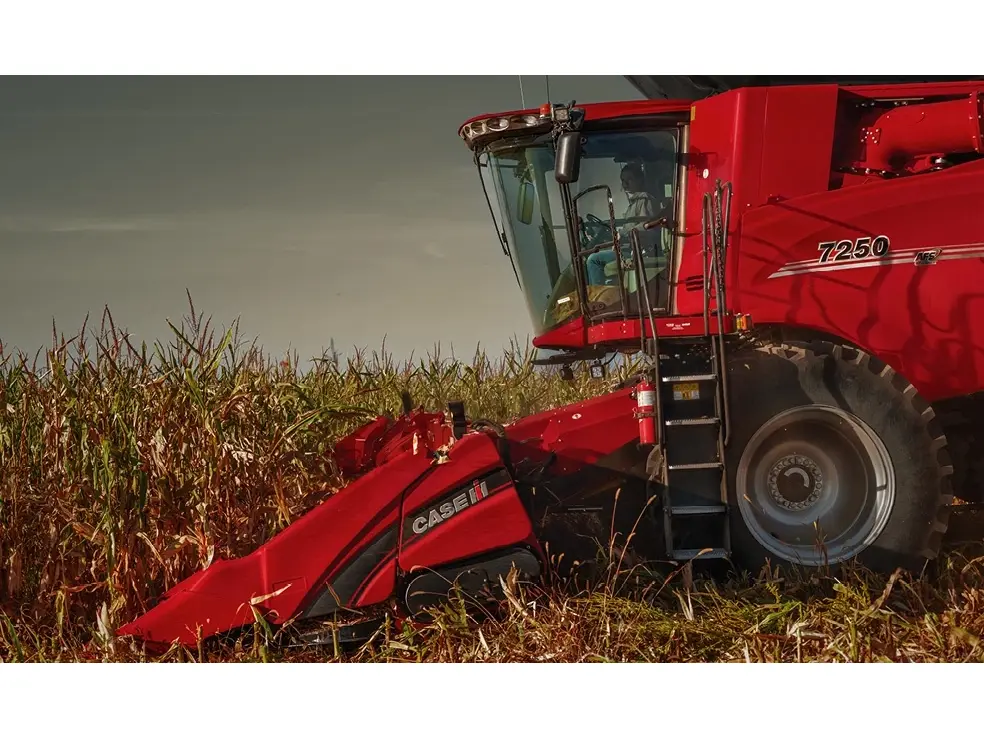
693	411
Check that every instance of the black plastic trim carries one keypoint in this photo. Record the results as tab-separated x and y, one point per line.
344	585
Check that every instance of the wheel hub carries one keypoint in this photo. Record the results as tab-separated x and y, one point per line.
795	482
815	485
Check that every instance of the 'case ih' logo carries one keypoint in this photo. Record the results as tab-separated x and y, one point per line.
463	500
435	511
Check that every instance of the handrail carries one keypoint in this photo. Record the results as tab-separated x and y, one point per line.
720	299
615	243
707	235
643	290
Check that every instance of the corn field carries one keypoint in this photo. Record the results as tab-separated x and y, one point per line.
125	468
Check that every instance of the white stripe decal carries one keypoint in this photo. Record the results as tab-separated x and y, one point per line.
916	250
905	256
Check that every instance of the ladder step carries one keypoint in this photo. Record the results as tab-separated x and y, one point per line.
691	378
689	467
698	509
708	420
699	553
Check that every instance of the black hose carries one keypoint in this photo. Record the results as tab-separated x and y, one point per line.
483	424
502	444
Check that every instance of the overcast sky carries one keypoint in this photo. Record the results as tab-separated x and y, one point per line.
311	208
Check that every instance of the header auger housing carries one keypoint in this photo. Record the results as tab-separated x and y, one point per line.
799	265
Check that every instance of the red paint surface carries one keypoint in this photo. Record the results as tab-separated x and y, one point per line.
497	521
379	585
924	321
383	438
579	433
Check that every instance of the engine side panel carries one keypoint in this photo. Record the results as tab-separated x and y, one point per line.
768	143
896	267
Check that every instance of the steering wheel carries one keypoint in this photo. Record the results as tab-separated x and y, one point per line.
596	229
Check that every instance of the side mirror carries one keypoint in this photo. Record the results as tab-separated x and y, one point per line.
524	204
568	164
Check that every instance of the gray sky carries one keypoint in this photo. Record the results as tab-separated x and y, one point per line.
309	207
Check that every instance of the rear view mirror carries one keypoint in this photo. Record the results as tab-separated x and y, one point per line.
525	201
568	157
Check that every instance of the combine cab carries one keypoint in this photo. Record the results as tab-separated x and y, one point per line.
798	266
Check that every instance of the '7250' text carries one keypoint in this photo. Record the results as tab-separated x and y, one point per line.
847	249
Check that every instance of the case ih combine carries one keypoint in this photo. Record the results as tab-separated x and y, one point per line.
800	267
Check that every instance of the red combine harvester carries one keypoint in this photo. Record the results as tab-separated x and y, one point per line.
798	266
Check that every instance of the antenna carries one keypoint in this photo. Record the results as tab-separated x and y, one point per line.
546	79
522	97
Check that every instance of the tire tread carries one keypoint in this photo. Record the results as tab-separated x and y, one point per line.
803	352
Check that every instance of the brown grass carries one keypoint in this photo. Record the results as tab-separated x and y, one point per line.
125	468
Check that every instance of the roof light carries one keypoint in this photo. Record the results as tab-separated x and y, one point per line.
498	124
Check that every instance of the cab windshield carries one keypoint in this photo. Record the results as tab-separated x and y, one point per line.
626	179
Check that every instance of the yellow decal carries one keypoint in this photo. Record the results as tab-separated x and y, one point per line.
688	391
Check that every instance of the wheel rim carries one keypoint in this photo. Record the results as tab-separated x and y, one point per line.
815	485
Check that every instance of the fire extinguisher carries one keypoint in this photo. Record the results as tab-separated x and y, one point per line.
645	404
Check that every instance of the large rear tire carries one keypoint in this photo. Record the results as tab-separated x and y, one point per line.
833	457
962	419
